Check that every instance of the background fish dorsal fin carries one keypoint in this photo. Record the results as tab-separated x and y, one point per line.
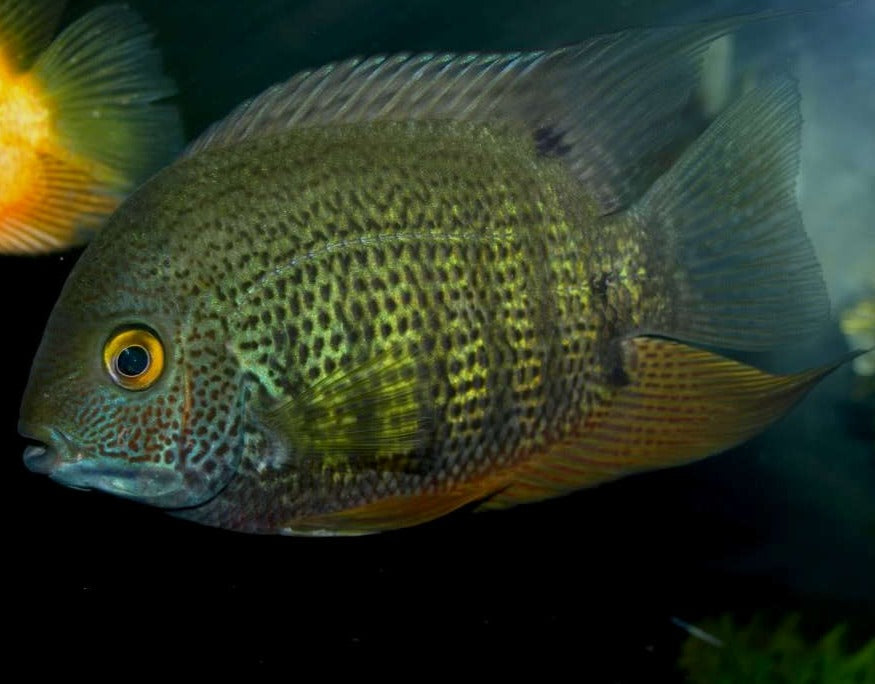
610	107
104	78
26	28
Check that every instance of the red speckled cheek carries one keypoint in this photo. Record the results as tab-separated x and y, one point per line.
190	421
205	399
206	402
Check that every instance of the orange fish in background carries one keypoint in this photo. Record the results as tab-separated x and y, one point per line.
79	123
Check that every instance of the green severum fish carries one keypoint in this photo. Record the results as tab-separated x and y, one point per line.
392	287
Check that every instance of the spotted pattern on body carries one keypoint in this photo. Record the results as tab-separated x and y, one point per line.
347	245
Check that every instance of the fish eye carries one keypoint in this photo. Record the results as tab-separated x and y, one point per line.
134	358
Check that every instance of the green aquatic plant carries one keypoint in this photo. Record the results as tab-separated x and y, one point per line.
761	652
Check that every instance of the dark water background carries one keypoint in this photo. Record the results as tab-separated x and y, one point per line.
784	523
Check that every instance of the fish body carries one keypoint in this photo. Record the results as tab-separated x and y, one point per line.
79	126
393	287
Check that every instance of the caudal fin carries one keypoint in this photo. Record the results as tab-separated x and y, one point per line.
104	78
96	90
26	27
61	202
747	273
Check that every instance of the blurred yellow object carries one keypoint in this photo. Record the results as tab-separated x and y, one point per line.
82	121
858	325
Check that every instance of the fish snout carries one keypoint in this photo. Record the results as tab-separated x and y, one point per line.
40	459
46	456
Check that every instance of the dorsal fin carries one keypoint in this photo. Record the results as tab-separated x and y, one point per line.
609	106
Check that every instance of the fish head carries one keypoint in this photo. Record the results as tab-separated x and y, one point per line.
129	394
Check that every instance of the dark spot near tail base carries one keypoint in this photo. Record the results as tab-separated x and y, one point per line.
599	286
615	363
549	142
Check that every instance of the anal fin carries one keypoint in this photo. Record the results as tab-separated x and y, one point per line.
680	404
390	513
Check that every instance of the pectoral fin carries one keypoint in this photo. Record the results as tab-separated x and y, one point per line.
371	414
680	404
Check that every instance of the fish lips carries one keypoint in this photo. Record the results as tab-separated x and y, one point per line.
42	458
143	483
58	458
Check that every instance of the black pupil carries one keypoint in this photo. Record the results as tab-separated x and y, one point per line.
132	361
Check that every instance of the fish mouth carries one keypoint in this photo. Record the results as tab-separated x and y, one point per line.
42	458
39	459
143	483
48	457
59	458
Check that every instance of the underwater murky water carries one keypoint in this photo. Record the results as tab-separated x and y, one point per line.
784	523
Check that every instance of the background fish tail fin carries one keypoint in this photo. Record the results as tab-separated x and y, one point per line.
678	404
63	203
747	274
26	28
103	77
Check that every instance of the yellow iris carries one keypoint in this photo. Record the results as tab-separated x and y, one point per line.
134	358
